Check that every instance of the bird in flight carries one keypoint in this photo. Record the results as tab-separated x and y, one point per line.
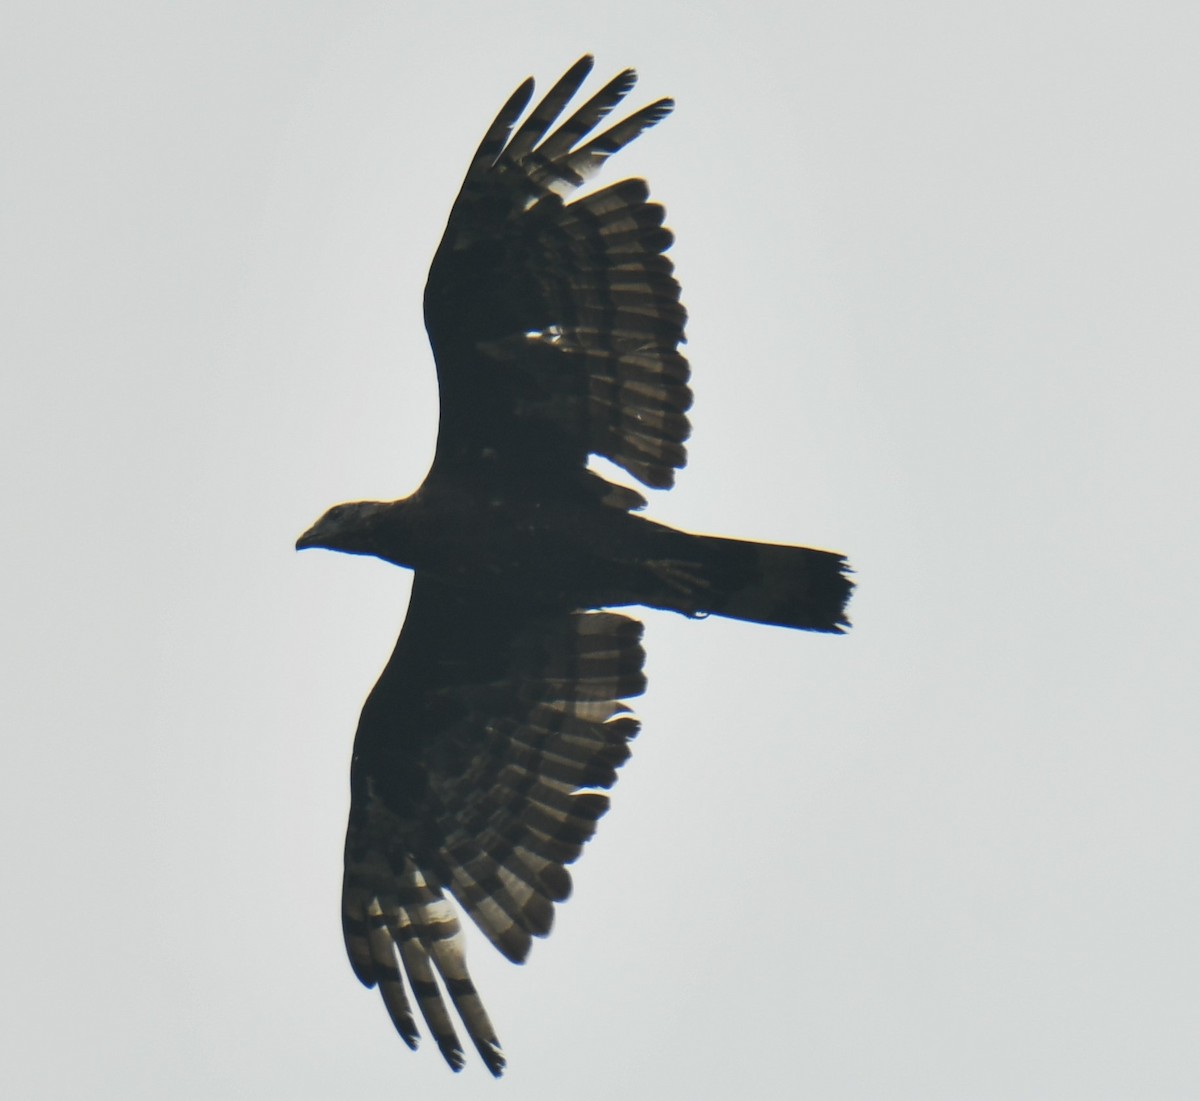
484	750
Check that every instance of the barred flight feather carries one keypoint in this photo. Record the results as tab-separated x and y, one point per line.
389	911
542	117
509	815
594	268
591	114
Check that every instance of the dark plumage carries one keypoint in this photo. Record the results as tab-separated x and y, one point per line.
555	328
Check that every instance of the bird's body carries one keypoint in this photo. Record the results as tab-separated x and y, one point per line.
571	554
555	328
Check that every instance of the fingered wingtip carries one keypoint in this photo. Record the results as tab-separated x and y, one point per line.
493	1059
455	1059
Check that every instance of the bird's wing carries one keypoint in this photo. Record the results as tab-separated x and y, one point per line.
555	325
475	771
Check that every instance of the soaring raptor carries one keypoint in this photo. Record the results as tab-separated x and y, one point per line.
483	751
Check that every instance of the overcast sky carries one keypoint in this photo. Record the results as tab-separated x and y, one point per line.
941	264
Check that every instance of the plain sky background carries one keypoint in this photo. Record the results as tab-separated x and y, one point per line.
942	265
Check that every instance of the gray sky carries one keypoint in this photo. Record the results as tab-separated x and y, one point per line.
941	261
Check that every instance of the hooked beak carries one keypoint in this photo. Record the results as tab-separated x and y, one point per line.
311	538
350	528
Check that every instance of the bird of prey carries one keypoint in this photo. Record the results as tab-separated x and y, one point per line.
483	751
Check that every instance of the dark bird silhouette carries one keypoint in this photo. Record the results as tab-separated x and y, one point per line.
483	750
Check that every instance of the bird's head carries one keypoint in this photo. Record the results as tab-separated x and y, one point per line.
351	528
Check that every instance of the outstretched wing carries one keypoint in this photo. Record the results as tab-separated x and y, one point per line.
556	325
475	767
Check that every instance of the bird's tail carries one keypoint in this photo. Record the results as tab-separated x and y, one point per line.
759	582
